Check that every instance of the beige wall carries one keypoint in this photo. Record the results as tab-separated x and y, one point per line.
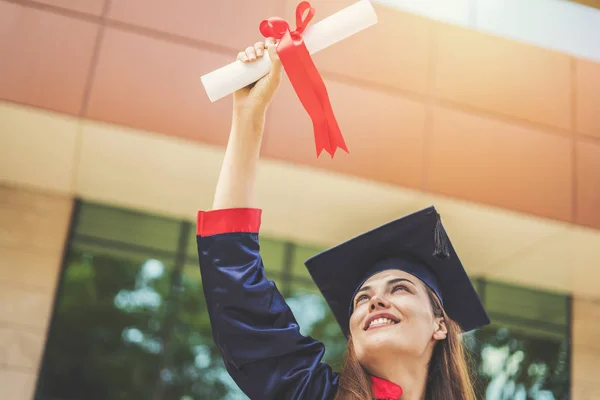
586	350
33	229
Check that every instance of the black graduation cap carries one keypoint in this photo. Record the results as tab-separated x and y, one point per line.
416	244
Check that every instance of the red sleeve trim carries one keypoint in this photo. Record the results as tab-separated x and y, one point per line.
229	220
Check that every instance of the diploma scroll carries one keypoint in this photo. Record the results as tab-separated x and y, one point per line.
335	28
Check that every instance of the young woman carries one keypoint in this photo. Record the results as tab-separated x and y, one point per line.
399	292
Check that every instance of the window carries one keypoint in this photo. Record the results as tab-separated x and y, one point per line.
130	320
524	354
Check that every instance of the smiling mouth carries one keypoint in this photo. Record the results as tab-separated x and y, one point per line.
381	322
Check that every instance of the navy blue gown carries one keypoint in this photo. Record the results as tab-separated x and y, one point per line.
252	325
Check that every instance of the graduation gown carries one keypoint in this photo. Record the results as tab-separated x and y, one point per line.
253	327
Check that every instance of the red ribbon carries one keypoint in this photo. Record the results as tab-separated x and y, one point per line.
305	77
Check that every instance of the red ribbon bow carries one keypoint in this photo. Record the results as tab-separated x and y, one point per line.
305	77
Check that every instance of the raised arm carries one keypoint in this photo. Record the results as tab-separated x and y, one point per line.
238	173
252	325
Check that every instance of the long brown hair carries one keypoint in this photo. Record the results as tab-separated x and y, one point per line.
448	378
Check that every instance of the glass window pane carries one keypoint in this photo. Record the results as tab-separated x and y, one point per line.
514	364
301	254
273	253
127	227
524	353
316	320
123	253
106	340
525	304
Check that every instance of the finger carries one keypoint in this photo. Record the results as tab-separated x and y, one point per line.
272	49
242	56
259	47
269	41
276	68
251	53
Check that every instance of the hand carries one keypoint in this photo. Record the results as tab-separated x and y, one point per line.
256	98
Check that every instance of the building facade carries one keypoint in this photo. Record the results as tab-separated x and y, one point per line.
108	147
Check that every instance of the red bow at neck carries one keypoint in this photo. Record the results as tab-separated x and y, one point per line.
385	390
305	78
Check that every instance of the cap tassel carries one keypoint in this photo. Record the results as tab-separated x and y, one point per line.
442	247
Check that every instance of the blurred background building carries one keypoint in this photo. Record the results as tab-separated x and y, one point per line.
488	109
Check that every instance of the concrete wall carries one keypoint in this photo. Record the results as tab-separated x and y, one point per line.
33	230
586	350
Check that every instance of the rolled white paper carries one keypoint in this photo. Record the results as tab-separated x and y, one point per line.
335	28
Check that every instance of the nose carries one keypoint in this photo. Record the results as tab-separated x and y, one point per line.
378	303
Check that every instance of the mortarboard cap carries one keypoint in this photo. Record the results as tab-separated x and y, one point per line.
416	244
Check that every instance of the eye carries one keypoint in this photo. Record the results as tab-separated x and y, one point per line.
360	298
399	287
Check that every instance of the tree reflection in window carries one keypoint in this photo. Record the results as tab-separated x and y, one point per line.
105	337
513	364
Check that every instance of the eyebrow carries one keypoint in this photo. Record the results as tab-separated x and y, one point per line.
390	282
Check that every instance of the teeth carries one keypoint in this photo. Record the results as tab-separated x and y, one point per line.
380	321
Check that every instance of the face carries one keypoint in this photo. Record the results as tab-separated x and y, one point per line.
393	316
